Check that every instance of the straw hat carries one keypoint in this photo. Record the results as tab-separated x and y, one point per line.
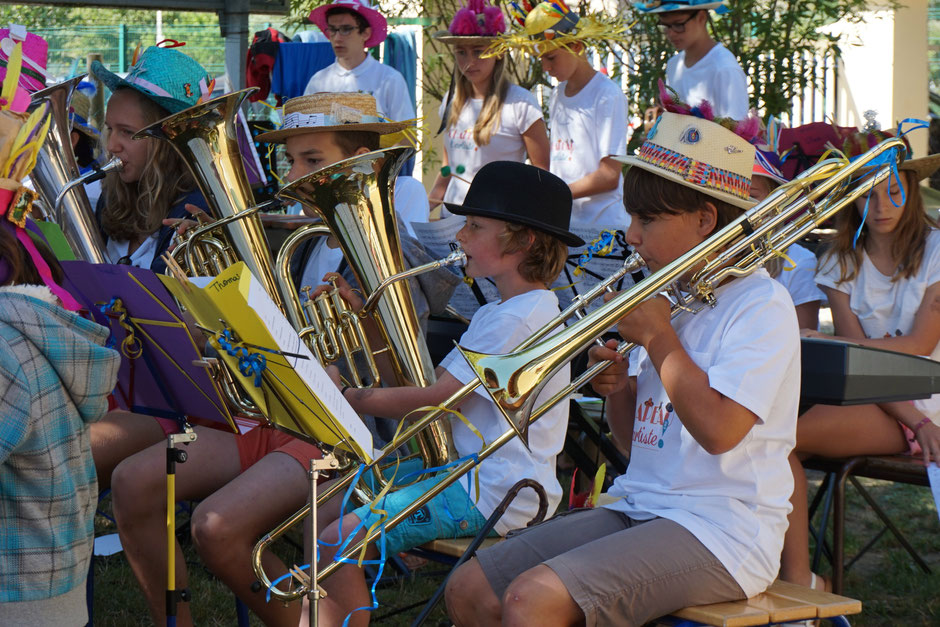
80	110
476	23
325	111
376	20
656	6
170	78
855	144
699	154
551	25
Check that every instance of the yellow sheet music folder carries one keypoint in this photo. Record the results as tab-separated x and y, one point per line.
295	394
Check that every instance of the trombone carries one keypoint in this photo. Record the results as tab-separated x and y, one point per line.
787	215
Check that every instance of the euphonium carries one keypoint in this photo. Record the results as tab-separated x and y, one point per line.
56	169
355	200
761	233
205	137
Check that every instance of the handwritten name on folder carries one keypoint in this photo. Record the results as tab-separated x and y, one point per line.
305	400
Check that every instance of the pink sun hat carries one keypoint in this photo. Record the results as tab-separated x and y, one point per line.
362	7
35	57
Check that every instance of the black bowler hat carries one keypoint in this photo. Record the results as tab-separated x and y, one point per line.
520	193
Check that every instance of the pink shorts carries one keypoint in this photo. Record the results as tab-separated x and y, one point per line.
261	440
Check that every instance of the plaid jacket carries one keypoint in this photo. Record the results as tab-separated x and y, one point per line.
55	377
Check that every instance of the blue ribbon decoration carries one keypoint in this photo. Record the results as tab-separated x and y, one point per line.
248	363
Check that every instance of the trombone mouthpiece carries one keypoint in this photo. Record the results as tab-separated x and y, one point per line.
456	258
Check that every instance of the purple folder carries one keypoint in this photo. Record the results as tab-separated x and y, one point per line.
161	380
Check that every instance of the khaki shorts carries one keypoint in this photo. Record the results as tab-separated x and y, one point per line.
619	571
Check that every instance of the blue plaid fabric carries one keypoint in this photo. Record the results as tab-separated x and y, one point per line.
55	376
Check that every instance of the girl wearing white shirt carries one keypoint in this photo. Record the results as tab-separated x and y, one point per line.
488	118
884	291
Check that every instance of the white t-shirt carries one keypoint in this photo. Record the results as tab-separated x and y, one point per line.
411	205
382	81
584	129
520	111
717	78
735	503
499	328
800	281
885	308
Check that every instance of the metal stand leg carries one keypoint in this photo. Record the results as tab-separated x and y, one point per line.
315	593
173	456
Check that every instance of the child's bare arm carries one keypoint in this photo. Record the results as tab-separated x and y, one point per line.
536	144
397	402
716	422
605	178
922	339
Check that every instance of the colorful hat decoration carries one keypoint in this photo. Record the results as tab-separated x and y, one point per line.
656	6
326	111
21	137
550	25
376	20
477	21
858	143
170	78
32	73
767	163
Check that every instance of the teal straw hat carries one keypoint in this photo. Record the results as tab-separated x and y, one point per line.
165	75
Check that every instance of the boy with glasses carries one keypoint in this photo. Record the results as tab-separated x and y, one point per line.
352	26
702	69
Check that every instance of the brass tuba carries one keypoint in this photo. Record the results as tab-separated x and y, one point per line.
56	169
514	380
205	137
355	200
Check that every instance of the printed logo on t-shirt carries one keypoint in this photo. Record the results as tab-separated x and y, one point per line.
651	423
562	149
462	140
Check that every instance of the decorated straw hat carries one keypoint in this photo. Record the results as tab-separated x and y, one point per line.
32	74
80	110
325	111
170	78
21	137
475	23
700	154
376	20
551	25
656	6
855	144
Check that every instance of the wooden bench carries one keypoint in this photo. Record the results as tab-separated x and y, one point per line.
782	602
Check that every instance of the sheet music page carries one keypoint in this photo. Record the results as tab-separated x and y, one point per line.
440	238
933	474
595	269
309	370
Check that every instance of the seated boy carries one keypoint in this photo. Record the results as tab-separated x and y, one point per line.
264	467
711	414
516	233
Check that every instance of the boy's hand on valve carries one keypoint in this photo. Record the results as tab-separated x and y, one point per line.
346	292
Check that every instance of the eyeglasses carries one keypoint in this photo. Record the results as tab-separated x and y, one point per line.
345	30
676	27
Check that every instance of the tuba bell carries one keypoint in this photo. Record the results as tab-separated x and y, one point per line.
205	136
55	171
355	200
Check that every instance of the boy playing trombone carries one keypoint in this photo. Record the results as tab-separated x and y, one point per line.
709	414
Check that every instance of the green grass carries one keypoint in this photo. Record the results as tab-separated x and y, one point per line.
890	585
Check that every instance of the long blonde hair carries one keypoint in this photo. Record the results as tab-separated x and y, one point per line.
907	244
133	210
488	120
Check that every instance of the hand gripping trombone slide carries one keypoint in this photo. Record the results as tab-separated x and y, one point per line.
514	380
